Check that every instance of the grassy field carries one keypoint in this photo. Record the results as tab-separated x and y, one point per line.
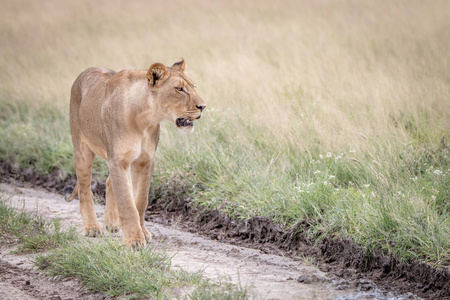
336	110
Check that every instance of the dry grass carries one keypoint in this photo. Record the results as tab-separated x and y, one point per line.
305	72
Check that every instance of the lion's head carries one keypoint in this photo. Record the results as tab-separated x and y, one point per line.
175	94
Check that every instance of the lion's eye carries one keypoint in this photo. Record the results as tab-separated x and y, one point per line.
180	89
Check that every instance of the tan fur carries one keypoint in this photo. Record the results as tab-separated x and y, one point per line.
116	116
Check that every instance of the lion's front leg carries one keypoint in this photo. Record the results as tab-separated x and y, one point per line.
141	173
129	216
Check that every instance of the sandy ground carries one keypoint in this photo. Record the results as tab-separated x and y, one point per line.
269	276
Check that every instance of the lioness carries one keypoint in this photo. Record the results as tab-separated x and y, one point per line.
116	116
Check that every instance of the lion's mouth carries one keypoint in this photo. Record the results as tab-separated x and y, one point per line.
182	122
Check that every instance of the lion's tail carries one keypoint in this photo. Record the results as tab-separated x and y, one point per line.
74	193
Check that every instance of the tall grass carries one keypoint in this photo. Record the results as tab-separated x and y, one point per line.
315	109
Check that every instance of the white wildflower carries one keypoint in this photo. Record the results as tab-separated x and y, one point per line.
329	154
437	172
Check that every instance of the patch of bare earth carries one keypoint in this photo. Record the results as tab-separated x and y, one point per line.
19	279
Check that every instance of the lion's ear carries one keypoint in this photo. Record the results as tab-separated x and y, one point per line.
157	73
180	65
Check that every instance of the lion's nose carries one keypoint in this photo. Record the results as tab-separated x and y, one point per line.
201	107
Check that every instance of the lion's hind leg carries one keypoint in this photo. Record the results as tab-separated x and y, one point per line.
141	173
112	220
84	157
70	197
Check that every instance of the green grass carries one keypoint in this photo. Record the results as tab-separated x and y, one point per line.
29	138
337	111
105	265
31	232
108	266
399	204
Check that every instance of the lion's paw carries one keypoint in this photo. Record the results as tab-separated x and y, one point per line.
147	234
113	228
93	231
135	244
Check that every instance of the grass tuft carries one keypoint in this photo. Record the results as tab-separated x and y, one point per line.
223	291
109	266
31	232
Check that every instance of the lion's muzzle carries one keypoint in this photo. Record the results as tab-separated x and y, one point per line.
182	122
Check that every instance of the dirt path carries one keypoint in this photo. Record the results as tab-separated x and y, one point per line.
270	276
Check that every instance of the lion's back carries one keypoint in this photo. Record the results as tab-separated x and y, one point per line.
89	81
